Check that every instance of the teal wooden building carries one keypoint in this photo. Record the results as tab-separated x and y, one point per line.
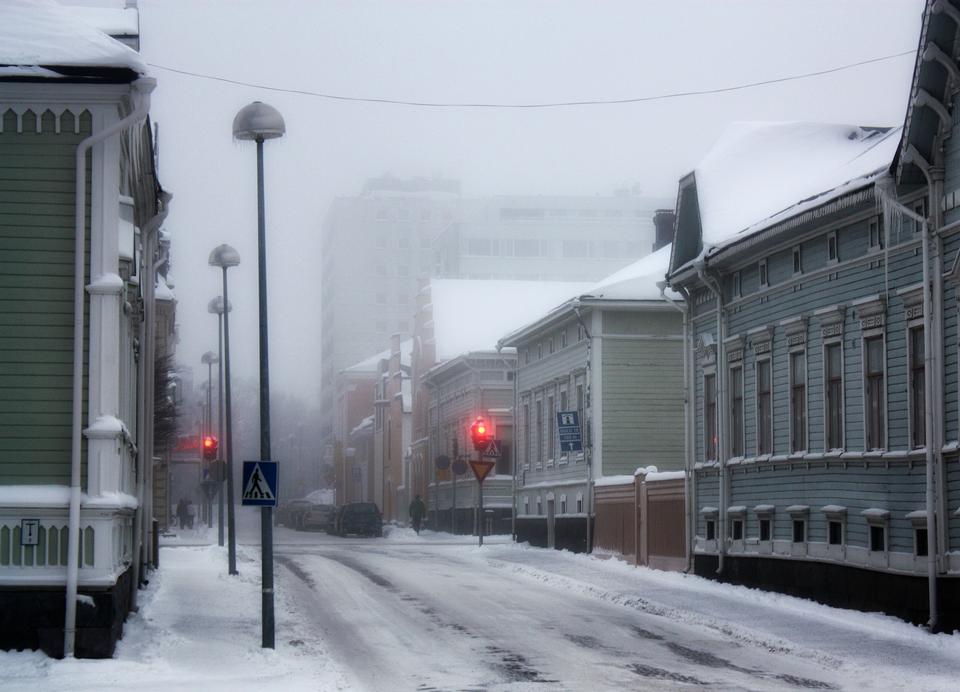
819	265
80	210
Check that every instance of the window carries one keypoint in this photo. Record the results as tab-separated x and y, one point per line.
737	289
563	504
381	270
526	505
539	451
579	504
876	235
710	416
874	392
539	506
580	404
711	530
832	247
563	399
736	529
381	241
550	431
381	326
580	332
799	530
797	263
918	419
563	338
403	270
764	529
798	401
764	408
764	280
833	406
878	538
835	533
920	542
920	208
550	345
736	411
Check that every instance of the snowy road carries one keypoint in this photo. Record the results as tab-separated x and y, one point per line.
408	613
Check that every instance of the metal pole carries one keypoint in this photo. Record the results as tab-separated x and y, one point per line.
453	509
209	432
266	513
231	527
480	514
219	477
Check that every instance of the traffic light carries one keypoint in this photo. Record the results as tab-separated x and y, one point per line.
480	433
210	446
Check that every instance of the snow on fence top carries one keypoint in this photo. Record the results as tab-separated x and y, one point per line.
759	173
42	33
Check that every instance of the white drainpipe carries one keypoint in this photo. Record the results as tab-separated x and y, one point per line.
687	442
143	86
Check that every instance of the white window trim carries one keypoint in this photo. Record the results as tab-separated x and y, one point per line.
838	340
835	237
864	337
763	358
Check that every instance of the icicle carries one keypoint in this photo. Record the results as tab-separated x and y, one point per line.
890	214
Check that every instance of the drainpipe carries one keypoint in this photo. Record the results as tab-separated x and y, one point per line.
891	207
143	87
714	288
687	448
588	447
513	449
145	379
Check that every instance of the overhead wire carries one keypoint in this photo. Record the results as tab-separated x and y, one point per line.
548	104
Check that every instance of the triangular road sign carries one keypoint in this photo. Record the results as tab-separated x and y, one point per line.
481	468
257	487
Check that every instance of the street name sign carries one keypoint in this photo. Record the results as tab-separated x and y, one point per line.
259	484
481	468
494	449
568	428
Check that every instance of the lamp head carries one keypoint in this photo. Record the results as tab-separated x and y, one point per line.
209	358
258	121
215	306
224	256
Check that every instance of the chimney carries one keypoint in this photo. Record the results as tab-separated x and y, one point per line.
665	221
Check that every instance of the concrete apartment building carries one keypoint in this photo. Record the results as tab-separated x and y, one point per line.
378	244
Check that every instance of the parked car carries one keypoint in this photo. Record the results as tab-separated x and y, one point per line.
321	517
290	514
361	518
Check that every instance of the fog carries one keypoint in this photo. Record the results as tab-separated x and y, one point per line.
496	51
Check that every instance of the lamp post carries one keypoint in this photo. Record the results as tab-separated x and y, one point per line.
260	122
216	307
208	359
224	256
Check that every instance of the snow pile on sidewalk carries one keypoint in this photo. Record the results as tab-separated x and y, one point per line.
197	628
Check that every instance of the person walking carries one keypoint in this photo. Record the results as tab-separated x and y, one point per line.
182	513
417	511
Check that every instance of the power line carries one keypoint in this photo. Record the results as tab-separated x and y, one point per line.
555	104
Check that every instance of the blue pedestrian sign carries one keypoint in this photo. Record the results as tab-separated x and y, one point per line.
259	484
568	428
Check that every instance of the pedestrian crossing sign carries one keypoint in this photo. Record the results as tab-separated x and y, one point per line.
259	484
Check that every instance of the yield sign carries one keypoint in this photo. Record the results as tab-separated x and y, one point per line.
481	467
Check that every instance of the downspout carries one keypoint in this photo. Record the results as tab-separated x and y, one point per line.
714	288
588	446
513	448
148	235
143	86
687	457
891	208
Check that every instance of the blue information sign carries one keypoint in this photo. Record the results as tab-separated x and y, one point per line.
259	484
568	428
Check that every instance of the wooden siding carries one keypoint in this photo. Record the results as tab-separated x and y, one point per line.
37	178
642	382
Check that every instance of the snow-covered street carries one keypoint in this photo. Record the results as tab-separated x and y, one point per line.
427	612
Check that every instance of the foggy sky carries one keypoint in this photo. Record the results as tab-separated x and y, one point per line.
481	51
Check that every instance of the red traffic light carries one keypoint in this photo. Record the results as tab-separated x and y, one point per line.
210	446
480	433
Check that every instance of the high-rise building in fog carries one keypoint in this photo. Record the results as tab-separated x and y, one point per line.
378	244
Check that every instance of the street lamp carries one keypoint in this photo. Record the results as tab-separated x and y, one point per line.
260	122
224	256
216	307
208	359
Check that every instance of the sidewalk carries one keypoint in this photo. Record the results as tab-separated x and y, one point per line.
197	628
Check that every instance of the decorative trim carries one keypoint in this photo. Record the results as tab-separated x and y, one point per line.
831	320
706	349
733	347
871	311
761	338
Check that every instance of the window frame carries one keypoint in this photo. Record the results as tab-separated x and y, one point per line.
872	381
833	248
737	441
799	439
916	379
763	273
875	234
766	362
796	260
828	431
709	412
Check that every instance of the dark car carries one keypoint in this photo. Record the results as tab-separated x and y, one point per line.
361	518
291	513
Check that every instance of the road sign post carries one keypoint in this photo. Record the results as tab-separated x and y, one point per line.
260	486
481	468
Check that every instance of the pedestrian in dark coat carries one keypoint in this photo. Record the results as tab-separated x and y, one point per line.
417	511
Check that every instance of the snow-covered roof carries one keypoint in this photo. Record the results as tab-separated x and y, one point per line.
759	173
637	281
472	315
38	33
163	291
370	365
